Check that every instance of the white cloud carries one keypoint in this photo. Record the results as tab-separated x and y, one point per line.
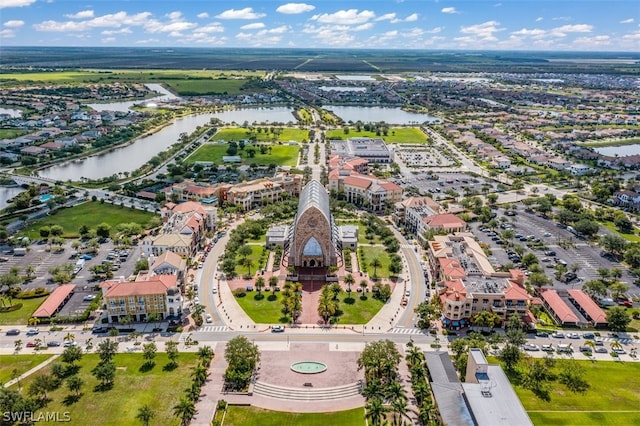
15	3
561	18
539	18
13	24
632	36
386	17
345	17
113	32
174	16
208	29
108	39
497	5
435	30
411	18
627	21
563	30
147	41
277	30
484	31
535	32
115	20
84	14
253	26
171	27
363	27
449	10
330	35
591	42
203	15
246	13
295	8
8	33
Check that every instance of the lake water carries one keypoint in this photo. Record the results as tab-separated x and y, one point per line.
622	150
342	89
131	157
13	113
7	193
125	106
376	114
355	78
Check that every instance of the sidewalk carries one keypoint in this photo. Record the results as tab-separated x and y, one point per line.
33	370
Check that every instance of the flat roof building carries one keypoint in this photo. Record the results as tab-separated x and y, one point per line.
372	150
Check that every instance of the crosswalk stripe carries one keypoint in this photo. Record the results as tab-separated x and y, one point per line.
399	330
214	328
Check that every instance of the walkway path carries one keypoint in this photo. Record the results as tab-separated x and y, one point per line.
33	370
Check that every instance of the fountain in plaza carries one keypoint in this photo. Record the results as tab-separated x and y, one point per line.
309	367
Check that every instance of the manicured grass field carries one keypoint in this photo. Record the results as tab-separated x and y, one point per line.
371	252
205	86
158	389
360	311
402	135
267	310
255	257
250	416
91	214
281	155
634	238
10	133
21	363
284	135
613	398
22	315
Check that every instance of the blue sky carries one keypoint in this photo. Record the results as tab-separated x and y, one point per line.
591	25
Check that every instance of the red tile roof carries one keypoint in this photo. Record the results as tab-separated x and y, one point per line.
593	311
53	302
557	305
356	181
446	221
515	292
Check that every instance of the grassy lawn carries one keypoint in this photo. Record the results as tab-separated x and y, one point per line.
267	310
91	214
206	86
281	155
22	315
249	416
613	387
358	311
281	135
371	252
256	250
634	238
402	135
10	133
21	363
158	389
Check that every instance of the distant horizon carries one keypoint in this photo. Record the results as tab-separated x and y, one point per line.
496	25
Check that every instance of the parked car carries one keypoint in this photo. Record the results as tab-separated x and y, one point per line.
547	348
586	349
31	344
214	290
573	335
88	298
600	350
277	329
542	334
619	351
588	336
68	343
13	332
558	335
531	347
53	343
32	332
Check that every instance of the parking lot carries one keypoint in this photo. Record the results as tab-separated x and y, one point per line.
437	184
529	227
423	156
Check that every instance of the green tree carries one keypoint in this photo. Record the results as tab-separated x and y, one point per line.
105	372
74	384
149	351
107	350
375	410
103	230
618	318
171	349
572	376
273	283
72	354
510	356
40	385
145	414
375	264
595	288
242	358
184	410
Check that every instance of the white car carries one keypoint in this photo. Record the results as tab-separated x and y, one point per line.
214	290
531	347
547	348
68	343
196	300
573	335
209	319
407	293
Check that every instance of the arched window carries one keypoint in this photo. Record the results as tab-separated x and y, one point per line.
312	248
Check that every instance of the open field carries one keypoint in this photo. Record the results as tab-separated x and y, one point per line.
206	87
357	311
634	238
22	315
158	389
92	76
267	310
21	363
612	398
279	135
372	252
10	133
400	135
250	416
281	155
256	252
90	214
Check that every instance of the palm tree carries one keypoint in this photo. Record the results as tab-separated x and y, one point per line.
69	337
205	354
326	305
248	263
74	383
399	408
185	409
375	410
145	414
616	345
273	283
414	356
375	264
349	281
364	284
395	390
260	284
200	374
